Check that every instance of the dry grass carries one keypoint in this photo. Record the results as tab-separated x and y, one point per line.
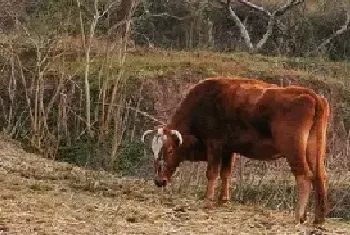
39	196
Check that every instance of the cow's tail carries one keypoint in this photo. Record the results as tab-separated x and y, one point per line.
320	122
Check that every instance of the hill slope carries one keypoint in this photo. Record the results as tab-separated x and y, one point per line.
40	196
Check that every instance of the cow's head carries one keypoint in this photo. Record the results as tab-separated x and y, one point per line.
167	152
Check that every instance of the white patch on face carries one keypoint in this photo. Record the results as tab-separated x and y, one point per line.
157	144
160	131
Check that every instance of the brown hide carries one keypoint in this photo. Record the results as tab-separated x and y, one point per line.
243	113
221	116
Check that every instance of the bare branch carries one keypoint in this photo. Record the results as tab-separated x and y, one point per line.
87	41
252	5
51	48
241	26
167	15
54	97
287	6
267	13
278	12
24	28
106	10
271	20
124	22
268	33
82	28
143	113
340	31
116	26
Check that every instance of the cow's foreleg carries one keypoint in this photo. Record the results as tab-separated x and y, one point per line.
214	159
228	160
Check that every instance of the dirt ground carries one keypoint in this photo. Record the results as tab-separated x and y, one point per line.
40	196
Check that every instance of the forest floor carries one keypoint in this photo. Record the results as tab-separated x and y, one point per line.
41	196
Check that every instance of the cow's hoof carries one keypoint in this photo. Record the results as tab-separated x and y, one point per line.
224	202
319	224
224	199
303	219
298	223
208	204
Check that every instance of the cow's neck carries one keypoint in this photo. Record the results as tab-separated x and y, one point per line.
182	118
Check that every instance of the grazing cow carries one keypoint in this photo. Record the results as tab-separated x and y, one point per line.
221	116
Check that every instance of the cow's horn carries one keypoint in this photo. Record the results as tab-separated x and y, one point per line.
178	135
144	135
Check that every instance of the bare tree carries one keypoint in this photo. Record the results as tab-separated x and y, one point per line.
272	20
121	30
337	33
86	41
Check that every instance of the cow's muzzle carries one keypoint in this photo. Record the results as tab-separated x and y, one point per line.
160	182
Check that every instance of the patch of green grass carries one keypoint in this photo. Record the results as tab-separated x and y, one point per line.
160	63
239	64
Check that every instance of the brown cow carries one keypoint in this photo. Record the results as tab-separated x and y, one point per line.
221	116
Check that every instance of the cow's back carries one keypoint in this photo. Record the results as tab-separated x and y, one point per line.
214	103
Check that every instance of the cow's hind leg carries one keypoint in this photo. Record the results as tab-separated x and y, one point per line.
303	177
319	179
304	189
321	197
291	133
214	159
227	162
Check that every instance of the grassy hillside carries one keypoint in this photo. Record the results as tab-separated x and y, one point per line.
40	196
330	79
298	70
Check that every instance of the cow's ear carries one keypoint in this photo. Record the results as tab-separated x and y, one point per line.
188	141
